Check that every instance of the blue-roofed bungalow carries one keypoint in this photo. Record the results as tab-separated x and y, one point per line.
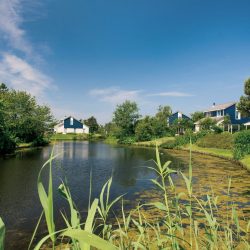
177	116
71	125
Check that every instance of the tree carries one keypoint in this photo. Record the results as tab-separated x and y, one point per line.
144	130
163	113
25	120
7	143
160	121
244	104
125	117
91	122
207	123
196	116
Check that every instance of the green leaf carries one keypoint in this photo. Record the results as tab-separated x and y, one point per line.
85	237
2	234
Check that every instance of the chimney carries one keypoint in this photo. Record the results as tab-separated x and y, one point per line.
214	104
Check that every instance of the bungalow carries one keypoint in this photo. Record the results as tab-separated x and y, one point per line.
71	125
177	116
218	113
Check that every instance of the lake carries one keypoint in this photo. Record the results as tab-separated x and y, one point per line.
19	203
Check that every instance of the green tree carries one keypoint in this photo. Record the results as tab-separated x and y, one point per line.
7	143
91	122
25	119
160	121
125	117
244	104
207	123
144	130
196	116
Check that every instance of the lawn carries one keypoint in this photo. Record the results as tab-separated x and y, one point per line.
69	137
152	143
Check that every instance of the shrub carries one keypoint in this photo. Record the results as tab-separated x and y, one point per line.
223	140
127	140
40	141
241	144
185	139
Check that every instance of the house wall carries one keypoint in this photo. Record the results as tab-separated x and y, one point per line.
76	124
231	112
172	118
175	116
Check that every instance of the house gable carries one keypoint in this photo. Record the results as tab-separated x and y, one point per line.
71	122
176	116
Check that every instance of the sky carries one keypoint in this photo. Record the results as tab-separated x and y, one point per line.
84	57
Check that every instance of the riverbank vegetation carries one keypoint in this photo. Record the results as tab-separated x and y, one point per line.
181	218
22	120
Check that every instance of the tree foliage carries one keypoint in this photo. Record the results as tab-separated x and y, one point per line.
244	104
196	116
145	130
125	117
22	119
207	123
91	122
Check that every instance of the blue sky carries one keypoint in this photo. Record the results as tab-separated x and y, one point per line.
84	57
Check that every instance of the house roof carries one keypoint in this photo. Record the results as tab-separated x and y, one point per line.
179	113
66	117
220	106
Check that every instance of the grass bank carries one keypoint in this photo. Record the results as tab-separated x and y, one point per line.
217	152
75	137
154	142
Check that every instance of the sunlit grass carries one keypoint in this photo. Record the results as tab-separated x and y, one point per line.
154	142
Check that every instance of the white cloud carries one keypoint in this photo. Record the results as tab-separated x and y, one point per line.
20	73
115	95
10	25
23	76
172	94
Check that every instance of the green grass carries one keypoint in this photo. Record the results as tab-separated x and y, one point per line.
152	143
219	152
24	145
69	137
216	151
246	161
222	141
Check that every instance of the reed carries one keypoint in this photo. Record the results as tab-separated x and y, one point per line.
2	234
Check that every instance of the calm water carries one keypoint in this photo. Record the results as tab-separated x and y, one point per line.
20	207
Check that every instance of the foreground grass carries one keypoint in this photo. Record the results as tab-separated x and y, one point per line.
157	142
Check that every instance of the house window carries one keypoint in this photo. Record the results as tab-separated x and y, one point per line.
71	121
237	114
219	113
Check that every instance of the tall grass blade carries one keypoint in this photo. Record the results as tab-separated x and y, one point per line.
34	233
89	238
2	234
47	199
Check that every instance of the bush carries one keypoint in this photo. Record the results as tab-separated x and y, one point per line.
40	141
7	143
127	140
223	141
241	144
185	139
